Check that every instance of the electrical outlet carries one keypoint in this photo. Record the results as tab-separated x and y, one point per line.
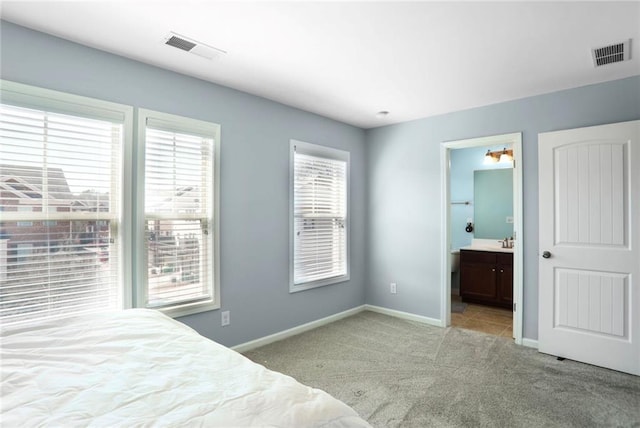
226	318
510	219
393	288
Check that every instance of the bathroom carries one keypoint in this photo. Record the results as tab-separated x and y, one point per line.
482	223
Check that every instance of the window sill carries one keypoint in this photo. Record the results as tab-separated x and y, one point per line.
294	288
188	309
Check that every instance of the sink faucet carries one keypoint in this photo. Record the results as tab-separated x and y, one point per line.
507	243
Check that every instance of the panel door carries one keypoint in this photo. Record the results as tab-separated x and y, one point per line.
589	265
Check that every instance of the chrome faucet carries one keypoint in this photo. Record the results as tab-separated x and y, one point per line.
507	242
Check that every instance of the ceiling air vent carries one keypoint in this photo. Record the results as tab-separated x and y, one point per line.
192	46
616	52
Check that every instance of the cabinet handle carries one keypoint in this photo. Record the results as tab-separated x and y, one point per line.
501	270
493	270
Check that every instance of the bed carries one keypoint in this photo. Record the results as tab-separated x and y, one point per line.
138	368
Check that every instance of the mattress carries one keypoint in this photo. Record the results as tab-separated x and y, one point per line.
139	368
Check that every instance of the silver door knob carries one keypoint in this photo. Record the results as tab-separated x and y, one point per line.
546	254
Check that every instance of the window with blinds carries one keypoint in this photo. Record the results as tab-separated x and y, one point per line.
179	213
319	216
60	193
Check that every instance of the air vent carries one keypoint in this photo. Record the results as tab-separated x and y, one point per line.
180	43
192	46
616	52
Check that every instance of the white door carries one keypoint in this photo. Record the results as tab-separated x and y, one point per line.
589	265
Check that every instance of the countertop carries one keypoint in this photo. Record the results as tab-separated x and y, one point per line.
487	245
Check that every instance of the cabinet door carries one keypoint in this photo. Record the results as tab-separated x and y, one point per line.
478	281
505	284
505	278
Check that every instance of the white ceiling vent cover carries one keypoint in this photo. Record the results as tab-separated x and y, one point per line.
192	46
616	52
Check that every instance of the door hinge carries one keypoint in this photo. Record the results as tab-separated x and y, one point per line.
514	306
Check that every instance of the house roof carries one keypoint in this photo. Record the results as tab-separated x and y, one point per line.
28	181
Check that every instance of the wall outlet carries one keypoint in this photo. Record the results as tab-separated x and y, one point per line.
226	318
510	219
393	288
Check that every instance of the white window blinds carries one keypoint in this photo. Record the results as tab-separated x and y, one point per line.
60	183
178	206
319	216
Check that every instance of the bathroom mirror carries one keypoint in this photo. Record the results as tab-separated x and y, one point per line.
493	203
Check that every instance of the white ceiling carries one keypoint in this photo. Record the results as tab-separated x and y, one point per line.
349	60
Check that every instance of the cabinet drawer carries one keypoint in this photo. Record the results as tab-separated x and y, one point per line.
471	256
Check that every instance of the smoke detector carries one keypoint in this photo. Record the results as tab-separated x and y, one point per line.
192	46
616	52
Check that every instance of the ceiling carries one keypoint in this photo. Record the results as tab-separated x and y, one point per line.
350	60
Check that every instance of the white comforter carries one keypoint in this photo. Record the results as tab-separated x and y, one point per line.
141	368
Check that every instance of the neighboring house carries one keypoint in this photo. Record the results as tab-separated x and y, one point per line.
51	243
22	189
174	245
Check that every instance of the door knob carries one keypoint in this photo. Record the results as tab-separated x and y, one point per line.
546	254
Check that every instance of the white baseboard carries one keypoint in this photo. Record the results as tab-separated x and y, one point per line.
247	346
404	315
244	347
529	343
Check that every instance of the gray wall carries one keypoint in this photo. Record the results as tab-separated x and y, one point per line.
254	175
404	212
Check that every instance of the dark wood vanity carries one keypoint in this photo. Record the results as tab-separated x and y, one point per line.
486	277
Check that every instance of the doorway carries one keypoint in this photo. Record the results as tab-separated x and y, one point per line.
515	142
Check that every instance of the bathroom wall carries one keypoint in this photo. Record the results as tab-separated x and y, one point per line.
463	163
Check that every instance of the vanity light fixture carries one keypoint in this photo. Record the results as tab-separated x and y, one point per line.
499	156
490	157
506	156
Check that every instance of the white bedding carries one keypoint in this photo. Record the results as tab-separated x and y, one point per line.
140	368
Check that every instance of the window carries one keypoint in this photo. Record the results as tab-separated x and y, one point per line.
66	234
61	196
179	253
24	223
319	222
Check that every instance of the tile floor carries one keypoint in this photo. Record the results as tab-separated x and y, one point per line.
487	319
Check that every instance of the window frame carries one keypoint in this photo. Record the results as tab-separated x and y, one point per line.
326	153
179	124
27	96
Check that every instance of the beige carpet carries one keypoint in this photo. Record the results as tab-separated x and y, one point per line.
398	373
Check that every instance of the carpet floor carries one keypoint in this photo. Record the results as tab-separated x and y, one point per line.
398	373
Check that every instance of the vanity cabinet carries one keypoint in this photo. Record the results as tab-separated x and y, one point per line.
486	277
